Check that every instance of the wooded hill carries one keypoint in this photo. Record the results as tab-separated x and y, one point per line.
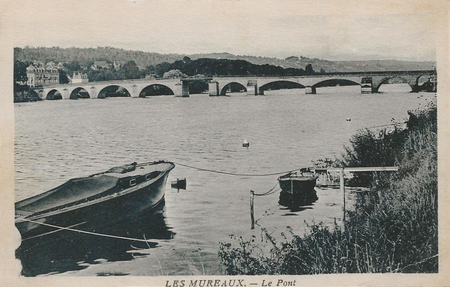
86	56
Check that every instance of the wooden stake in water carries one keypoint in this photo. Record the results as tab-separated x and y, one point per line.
252	199
342	185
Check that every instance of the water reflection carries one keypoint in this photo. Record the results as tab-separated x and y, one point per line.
67	250
295	202
296	208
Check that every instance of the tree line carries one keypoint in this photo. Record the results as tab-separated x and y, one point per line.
224	67
179	68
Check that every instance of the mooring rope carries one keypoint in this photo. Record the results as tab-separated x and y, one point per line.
232	173
53	231
85	232
271	191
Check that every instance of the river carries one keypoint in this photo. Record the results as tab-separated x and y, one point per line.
287	129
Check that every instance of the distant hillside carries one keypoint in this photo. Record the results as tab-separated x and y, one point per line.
328	66
85	56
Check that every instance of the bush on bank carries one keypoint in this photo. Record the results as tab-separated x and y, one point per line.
393	227
22	93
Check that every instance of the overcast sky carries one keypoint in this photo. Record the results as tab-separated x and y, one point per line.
335	30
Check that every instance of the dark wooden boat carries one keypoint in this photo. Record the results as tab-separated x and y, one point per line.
297	188
93	203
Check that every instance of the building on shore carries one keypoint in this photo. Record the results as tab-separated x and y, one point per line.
42	76
118	64
78	78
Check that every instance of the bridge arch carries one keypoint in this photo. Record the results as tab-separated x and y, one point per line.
426	83
335	82
403	80
34	94
113	91
156	90
423	79
279	85
54	94
232	86
79	93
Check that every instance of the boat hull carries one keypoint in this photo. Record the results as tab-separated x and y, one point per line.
297	190
99	214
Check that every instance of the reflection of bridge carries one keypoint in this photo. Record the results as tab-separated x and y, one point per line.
254	85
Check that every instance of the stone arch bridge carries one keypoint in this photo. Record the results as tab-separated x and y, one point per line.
370	82
254	85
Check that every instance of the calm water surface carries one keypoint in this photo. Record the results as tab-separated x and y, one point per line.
59	140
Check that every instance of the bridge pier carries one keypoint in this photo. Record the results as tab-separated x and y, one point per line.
93	92
213	88
182	89
134	93
252	88
310	90
65	93
367	89
366	85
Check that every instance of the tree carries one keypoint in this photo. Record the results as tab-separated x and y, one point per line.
63	79
150	69
73	66
20	72
130	70
309	69
173	74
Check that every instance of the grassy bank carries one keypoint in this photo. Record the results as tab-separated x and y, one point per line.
393	227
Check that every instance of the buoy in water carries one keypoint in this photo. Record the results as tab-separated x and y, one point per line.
245	143
348	119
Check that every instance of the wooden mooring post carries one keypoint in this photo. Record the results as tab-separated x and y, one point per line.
252	201
342	186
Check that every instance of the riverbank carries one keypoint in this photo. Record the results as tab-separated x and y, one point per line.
393	227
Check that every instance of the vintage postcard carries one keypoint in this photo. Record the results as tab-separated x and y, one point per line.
224	143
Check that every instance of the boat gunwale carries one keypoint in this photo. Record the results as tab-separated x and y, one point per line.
134	188
287	177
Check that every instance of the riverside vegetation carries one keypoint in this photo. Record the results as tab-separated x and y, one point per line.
392	228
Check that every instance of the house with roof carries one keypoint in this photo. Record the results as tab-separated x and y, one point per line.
42	76
118	64
100	65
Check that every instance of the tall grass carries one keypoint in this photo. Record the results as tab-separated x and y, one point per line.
393	227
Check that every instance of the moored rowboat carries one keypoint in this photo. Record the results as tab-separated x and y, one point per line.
121	194
297	188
